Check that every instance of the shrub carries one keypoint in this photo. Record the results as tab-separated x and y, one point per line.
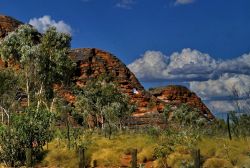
106	157
30	129
146	154
60	156
177	160
217	163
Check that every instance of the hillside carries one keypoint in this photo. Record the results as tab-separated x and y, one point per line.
92	63
175	95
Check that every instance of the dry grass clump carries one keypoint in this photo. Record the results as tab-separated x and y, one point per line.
105	157
102	152
177	160
222	148
217	163
160	163
146	154
60	156
103	148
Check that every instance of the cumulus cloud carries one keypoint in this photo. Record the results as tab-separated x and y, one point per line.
221	106
125	4
229	105
183	2
187	65
223	87
213	80
239	65
151	66
43	23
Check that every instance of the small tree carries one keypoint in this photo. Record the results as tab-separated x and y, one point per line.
104	101
30	129
42	58
20	46
9	93
188	116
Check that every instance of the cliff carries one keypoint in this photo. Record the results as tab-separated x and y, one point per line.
176	95
92	62
7	24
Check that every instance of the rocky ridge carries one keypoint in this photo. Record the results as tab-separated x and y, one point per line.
176	95
7	24
92	62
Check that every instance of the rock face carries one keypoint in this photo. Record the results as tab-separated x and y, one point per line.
7	24
175	95
92	63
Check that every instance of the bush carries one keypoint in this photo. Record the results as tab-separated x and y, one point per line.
146	154
177	160
106	157
60	156
30	129
217	163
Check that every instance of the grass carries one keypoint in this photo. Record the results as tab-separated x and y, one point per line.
215	152
236	151
101	150
59	156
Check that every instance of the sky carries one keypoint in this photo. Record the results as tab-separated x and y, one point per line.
202	44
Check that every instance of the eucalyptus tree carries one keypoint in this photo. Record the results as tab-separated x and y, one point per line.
104	101
31	130
188	116
9	93
42	57
43	61
20	46
55	66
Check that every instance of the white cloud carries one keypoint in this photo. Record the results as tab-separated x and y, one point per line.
221	92
43	23
213	80
238	65
221	106
183	2
150	66
187	65
125	4
223	87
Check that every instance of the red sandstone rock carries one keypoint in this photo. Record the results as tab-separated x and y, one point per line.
7	24
92	63
179	94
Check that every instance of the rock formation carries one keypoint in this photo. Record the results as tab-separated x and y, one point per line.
176	95
93	62
7	24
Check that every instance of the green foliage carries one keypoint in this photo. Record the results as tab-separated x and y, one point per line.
103	101
53	63
43	58
170	141
30	129
9	89
166	112
20	45
240	124
187	116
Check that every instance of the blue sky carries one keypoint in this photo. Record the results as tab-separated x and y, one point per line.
203	44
